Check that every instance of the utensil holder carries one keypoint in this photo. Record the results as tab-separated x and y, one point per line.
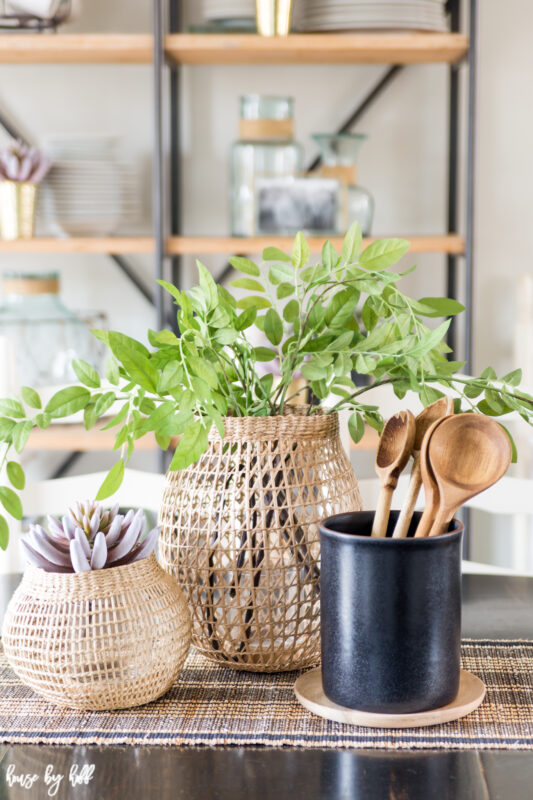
17	209
391	615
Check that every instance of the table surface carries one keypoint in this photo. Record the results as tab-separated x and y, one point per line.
493	607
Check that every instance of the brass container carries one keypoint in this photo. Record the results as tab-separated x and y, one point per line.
274	17
17	209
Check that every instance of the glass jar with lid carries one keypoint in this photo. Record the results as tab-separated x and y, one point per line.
266	148
43	333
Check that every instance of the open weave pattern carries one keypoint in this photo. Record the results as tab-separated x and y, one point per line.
105	639
239	532
215	706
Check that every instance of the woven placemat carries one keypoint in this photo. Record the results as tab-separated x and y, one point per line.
213	705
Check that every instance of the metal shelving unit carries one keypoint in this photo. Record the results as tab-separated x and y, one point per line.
168	49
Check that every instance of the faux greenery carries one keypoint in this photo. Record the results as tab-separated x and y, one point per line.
325	321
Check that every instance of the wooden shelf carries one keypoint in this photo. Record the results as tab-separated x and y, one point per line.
207	245
86	48
317	48
60	438
193	245
125	245
194	48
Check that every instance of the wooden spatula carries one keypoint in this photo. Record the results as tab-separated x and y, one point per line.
438	410
468	453
394	450
431	489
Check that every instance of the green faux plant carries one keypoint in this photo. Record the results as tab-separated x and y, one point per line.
322	320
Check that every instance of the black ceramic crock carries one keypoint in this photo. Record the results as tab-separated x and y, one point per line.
390	615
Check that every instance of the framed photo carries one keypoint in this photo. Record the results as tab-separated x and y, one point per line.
287	205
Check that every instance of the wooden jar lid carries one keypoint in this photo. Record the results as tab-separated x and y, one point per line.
266	129
25	285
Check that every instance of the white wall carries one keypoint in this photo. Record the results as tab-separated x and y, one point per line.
403	162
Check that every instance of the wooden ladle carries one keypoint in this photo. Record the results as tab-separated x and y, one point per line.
431	488
436	411
394	450
467	453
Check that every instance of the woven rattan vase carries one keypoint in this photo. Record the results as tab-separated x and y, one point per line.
239	532
111	638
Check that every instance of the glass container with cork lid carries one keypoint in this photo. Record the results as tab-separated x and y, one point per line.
44	334
266	148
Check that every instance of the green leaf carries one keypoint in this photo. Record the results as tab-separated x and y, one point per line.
111	370
441	306
204	370
11	407
43	420
85	373
514	451
135	360
488	374
300	251
191	446
30	397
383	253
104	403
208	286
21	434
356	426
16	476
264	353
89	416
273	327
171	377
513	378
429	395
430	341
245	265
164	338
281	273
291	311
313	372
246	319
112	482
4	533
368	314
341	307
330	259
67	401
284	290
6	428
171	289
253	301
248	283
275	254
11	502
353	241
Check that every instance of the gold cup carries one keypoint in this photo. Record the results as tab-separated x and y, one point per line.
17	209
273	17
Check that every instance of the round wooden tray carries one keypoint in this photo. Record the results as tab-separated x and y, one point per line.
309	691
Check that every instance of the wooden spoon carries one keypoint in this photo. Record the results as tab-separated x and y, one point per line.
431	489
438	410
468	453
394	450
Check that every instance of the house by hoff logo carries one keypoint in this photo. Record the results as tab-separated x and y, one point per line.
79	775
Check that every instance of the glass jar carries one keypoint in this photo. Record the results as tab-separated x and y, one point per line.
339	153
44	334
266	148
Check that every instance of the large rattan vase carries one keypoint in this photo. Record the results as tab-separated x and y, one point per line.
239	532
111	638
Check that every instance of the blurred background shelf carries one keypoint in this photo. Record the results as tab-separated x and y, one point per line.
195	48
208	245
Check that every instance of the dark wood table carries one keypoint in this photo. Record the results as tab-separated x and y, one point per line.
494	607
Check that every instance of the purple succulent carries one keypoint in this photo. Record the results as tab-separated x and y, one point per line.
87	538
19	162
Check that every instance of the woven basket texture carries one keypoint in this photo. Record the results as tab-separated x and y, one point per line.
111	638
239	532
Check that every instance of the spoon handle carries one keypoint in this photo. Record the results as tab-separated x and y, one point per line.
425	523
442	521
381	517
406	514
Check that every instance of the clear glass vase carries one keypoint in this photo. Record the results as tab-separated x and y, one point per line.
44	334
266	148
339	154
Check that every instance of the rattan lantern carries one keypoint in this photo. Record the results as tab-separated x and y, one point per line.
110	638
239	532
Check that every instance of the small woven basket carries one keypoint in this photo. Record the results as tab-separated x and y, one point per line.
239	532
111	638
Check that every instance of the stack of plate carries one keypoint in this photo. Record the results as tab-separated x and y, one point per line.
339	15
228	11
88	192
